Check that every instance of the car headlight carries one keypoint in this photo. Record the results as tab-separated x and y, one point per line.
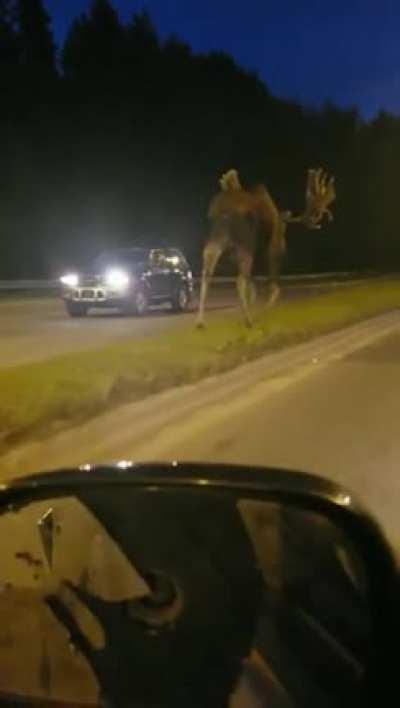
71	280
117	279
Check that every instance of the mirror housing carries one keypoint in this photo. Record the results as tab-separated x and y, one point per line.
302	494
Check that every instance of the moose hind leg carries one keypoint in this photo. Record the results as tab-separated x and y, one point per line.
211	255
245	287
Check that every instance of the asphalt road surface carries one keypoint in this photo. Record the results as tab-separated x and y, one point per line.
32	329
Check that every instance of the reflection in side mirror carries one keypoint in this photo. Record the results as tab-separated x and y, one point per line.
316	606
229	591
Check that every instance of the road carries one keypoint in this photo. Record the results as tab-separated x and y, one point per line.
330	407
32	329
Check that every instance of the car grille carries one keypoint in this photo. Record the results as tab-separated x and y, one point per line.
89	294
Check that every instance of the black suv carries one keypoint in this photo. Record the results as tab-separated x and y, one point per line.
130	279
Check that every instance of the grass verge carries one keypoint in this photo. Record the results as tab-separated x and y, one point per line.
48	395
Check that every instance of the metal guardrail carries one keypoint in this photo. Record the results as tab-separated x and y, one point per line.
11	285
21	285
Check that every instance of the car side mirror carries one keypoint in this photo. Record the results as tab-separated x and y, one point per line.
220	581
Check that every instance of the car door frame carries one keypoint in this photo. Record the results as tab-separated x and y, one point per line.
159	278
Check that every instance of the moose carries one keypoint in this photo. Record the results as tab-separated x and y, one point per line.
239	216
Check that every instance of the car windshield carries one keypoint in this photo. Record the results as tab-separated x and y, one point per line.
132	258
200	241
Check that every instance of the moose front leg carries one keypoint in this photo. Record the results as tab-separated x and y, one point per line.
211	256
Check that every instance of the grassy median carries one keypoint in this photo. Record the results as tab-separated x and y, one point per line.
44	396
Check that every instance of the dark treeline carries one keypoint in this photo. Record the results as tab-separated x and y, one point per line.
119	137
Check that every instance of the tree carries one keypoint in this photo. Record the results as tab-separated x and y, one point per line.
142	67
76	48
8	37
37	49
142	36
94	48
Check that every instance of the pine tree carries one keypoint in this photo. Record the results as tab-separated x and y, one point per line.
8	36
94	48
37	49
76	48
142	35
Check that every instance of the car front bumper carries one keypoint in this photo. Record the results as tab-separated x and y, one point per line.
97	296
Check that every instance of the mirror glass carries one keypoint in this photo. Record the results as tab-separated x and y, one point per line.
225	599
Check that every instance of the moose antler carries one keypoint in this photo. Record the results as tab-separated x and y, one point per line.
320	194
230	181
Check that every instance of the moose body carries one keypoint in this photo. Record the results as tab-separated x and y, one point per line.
238	217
